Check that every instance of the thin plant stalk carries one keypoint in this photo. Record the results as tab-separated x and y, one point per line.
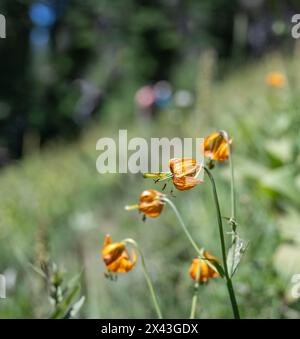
196	294
147	277
199	253
233	198
182	224
223	247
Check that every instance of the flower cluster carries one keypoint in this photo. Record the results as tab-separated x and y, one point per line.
184	173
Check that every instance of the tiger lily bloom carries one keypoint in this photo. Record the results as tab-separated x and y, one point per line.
216	147
184	173
151	203
275	79
203	268
116	257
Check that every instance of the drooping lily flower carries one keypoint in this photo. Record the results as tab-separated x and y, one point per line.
116	257
204	269
185	172
216	147
151	203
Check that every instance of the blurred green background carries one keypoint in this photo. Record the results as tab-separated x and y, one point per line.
75	71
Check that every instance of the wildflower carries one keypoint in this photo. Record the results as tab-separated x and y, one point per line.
116	257
275	79
205	266
184	173
216	147
151	203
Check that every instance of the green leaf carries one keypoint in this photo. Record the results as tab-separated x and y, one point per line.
62	308
75	308
282	181
215	266
235	254
280	149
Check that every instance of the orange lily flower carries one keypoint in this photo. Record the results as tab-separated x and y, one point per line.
216	147
116	257
151	203
206	271
184	173
275	79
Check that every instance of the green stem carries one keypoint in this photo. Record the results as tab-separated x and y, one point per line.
233	198
198	251
219	217
182	224
234	304
223	247
188	234
147	277
196	293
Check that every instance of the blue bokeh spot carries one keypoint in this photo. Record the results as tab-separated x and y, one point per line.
42	15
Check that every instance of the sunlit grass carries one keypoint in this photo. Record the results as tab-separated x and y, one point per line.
61	191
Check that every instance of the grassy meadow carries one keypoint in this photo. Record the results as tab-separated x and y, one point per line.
55	205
